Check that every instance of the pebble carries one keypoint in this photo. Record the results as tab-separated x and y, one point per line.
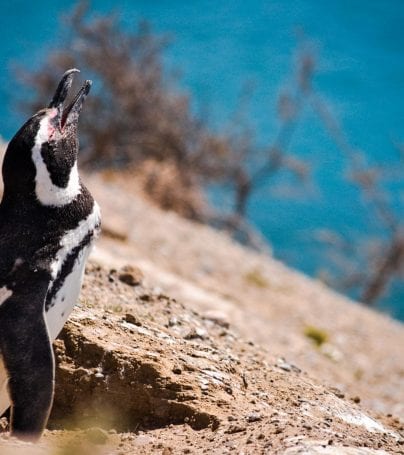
285	366
235	429
132	319
337	392
254	417
145	297
217	317
173	321
196	333
131	275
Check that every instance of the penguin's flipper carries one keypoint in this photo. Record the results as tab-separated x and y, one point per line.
28	359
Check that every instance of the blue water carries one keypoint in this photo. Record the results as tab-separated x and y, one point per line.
220	45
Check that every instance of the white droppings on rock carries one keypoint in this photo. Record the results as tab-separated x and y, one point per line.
320	447
216	376
358	418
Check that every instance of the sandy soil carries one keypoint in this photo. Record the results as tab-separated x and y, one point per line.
264	300
147	374
199	345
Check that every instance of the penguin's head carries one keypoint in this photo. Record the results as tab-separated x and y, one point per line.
42	156
62	121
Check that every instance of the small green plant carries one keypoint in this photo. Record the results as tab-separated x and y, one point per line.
256	278
316	335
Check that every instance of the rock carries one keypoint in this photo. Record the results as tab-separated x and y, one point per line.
254	417
131	275
337	392
132	319
145	297
285	366
173	321
245	382
196	333
217	317
235	429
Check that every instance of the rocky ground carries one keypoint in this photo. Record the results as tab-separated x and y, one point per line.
185	342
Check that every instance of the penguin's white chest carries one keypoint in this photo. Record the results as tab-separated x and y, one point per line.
66	297
68	271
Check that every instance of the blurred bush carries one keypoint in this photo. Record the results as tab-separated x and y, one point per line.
132	114
140	130
135	120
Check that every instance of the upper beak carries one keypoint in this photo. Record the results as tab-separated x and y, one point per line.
71	113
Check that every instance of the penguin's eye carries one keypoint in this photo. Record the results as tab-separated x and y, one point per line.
40	114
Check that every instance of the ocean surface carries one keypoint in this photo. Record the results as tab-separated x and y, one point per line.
218	47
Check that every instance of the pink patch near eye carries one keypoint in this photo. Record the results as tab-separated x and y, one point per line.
51	129
53	113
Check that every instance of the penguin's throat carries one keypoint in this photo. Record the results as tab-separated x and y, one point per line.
51	130
49	191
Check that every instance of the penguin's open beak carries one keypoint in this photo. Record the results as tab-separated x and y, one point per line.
70	114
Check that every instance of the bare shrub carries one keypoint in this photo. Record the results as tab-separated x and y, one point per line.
132	115
368	267
141	130
135	116
161	184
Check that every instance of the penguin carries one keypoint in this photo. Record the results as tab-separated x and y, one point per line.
48	224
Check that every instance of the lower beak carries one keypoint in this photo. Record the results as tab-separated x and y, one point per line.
71	113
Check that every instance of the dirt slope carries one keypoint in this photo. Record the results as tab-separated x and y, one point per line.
265	301
160	378
209	348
